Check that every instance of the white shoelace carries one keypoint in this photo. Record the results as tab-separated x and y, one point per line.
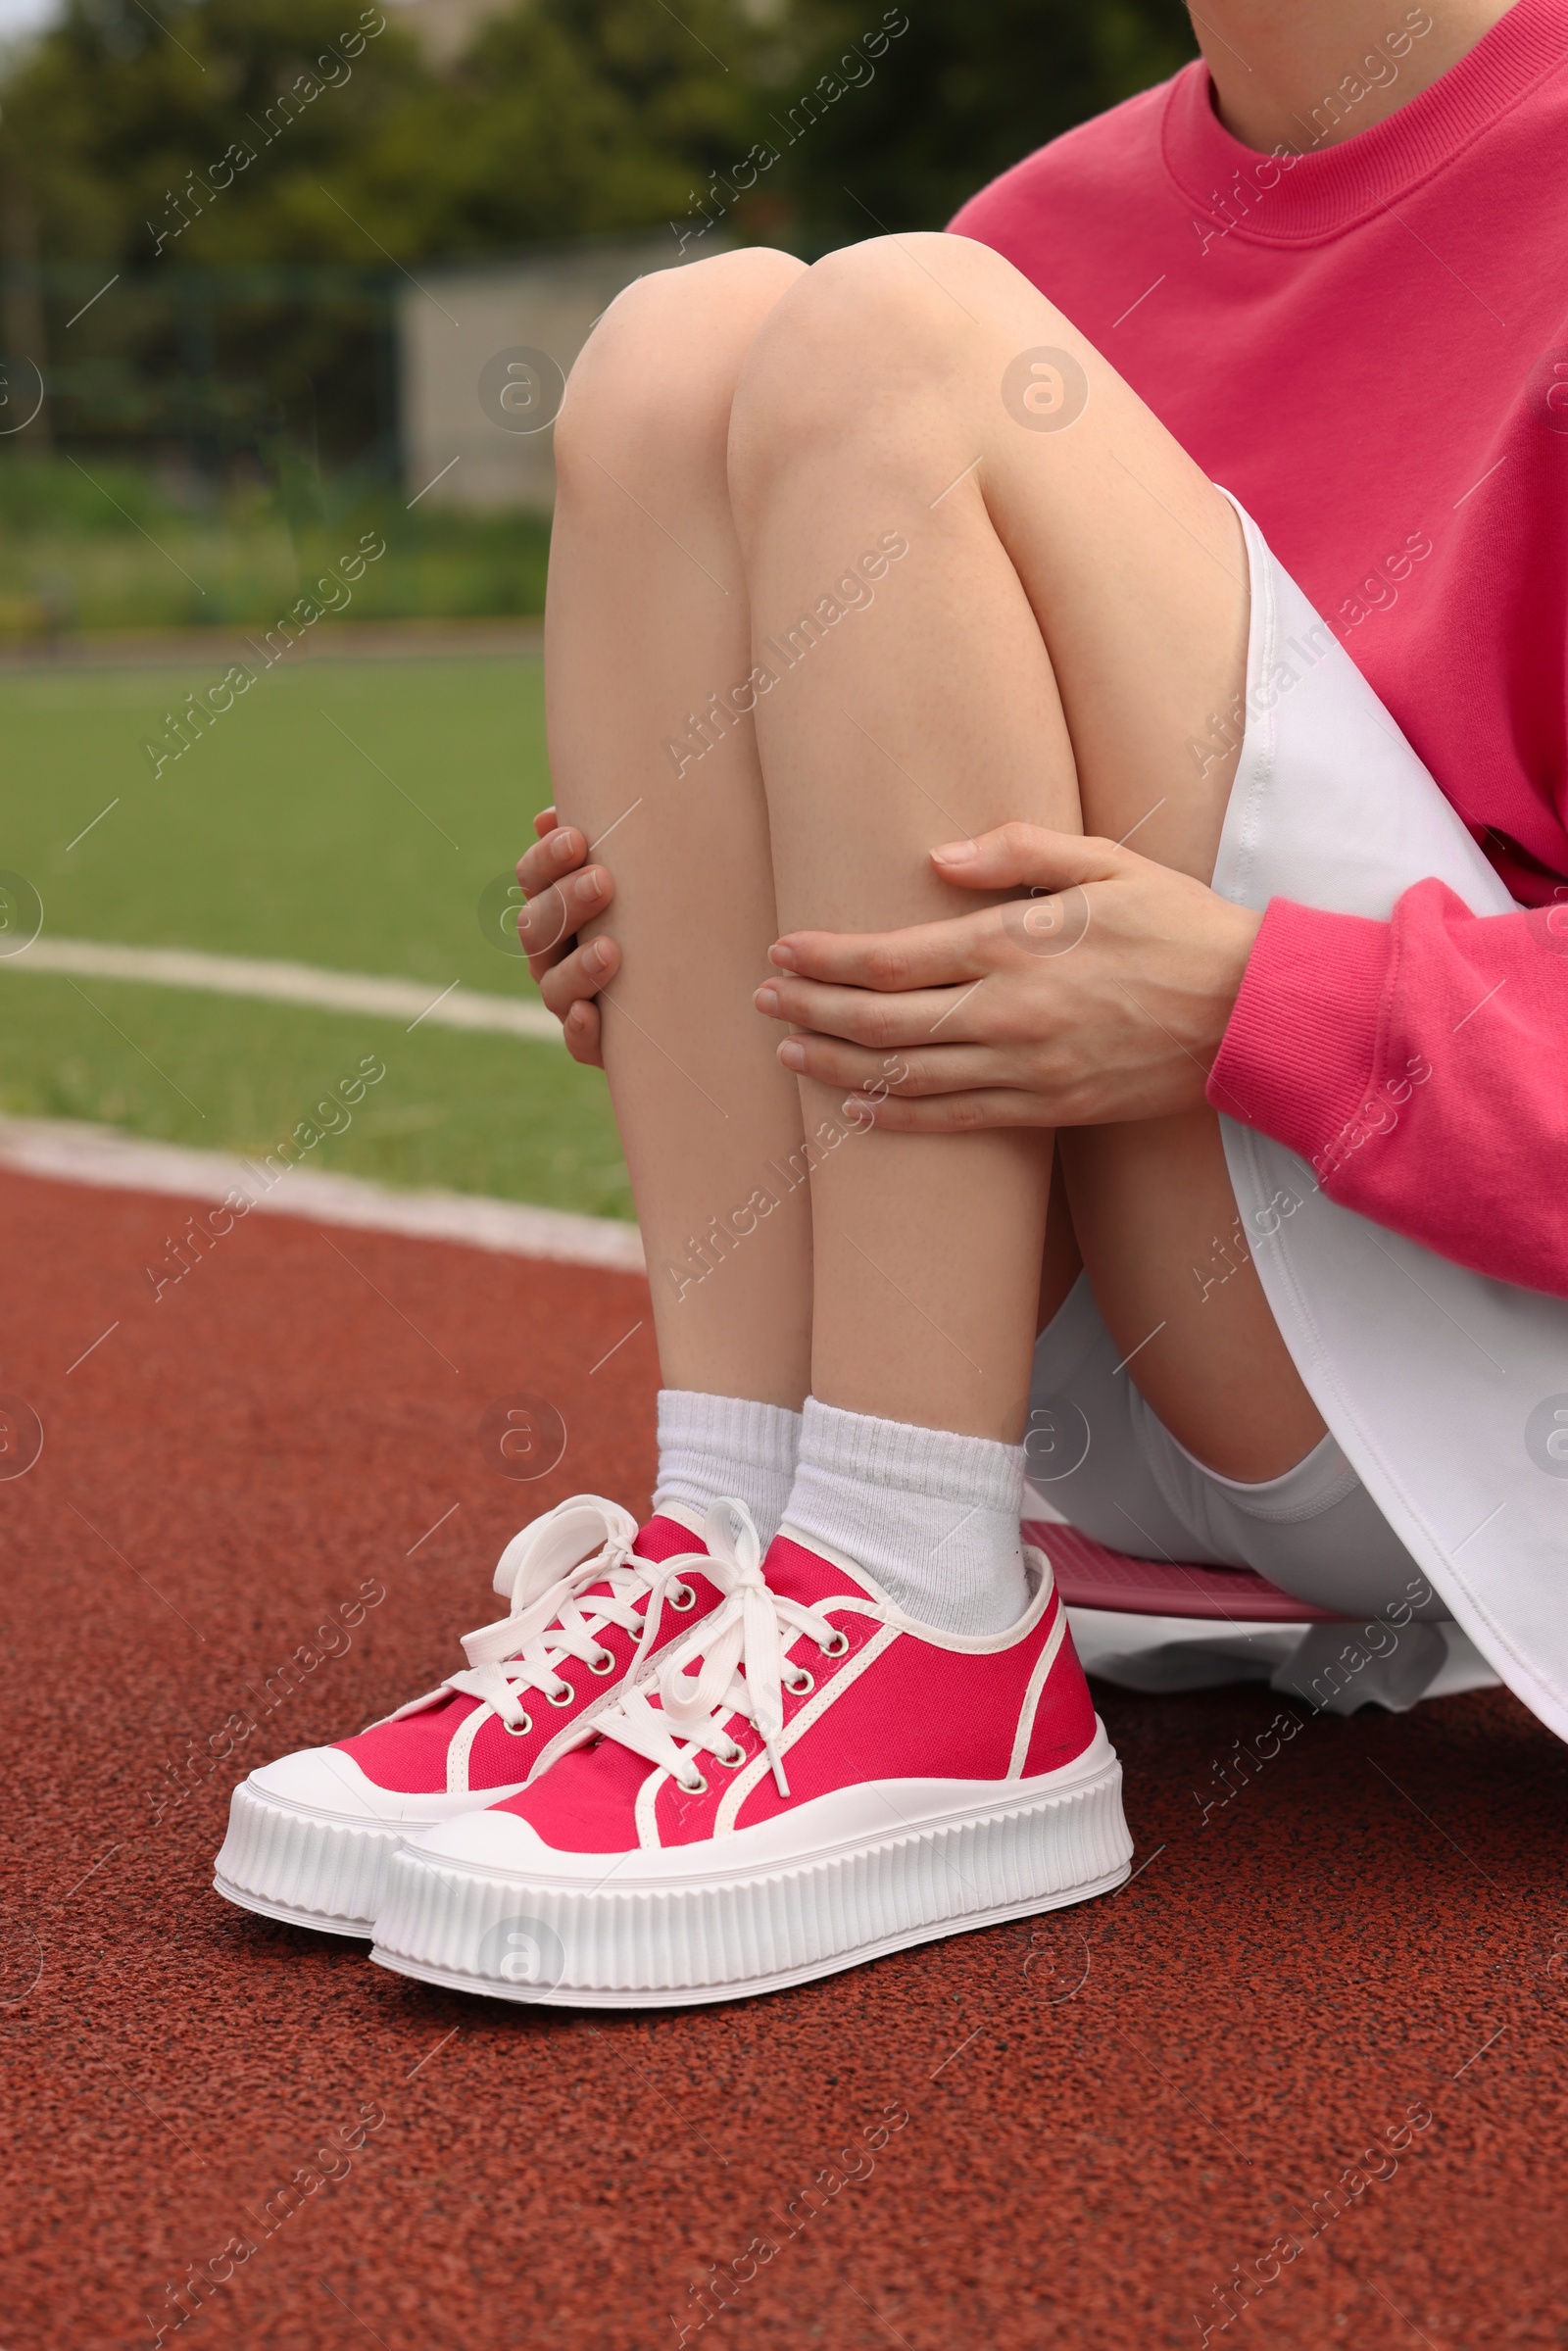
741	1650
549	1620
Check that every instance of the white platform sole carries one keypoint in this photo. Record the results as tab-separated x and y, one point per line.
305	1868
1012	1848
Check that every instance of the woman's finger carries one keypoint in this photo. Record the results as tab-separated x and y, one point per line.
958	1113
578	977
581	1034
929	954
562	849
559	942
548	920
864	1017
1019	854
939	1070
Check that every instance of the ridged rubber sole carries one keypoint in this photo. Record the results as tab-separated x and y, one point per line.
1027	1847
305	1869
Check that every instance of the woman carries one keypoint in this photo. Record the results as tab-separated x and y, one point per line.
932	703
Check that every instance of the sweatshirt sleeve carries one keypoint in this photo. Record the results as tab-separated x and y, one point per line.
1420	1066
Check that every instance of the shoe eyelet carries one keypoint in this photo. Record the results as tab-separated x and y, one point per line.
735	1758
566	1695
602	1662
683	1597
835	1645
692	1788
521	1731
802	1682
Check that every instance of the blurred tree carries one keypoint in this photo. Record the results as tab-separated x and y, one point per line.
162	143
295	130
208	140
210	133
569	118
313	131
969	88
566	118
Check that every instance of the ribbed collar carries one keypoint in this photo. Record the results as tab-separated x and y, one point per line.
1334	188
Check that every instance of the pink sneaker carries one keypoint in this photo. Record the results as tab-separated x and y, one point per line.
593	1601
815	1778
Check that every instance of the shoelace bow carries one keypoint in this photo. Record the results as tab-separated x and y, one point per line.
741	1648
522	1652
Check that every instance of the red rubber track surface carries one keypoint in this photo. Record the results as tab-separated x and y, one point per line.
1107	2110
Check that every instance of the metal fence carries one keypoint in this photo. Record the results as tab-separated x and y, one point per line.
377	373
213	370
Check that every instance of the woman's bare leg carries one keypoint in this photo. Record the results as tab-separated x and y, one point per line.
1070	612
646	620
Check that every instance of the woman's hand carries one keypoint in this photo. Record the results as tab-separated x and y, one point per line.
565	891
1102	999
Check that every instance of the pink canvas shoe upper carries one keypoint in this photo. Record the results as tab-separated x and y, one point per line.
593	1600
804	1681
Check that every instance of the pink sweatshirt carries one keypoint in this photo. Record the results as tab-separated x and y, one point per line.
1368	344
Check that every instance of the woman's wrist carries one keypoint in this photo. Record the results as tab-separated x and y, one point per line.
1239	936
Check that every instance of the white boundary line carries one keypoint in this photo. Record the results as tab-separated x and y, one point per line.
289	983
65	1150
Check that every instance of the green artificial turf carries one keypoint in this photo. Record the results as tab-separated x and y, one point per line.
348	814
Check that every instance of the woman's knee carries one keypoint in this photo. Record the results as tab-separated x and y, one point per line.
873	330
652	384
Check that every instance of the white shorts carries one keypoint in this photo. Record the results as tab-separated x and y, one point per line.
1096	1451
1425	1373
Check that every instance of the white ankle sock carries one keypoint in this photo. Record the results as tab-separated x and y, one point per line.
712	1446
933	1516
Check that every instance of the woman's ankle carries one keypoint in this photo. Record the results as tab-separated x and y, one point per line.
931	1515
715	1446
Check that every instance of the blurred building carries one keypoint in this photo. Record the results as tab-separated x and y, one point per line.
444	28
482	351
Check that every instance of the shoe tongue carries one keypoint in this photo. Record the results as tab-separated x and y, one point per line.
661	1540
798	1574
665	1538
